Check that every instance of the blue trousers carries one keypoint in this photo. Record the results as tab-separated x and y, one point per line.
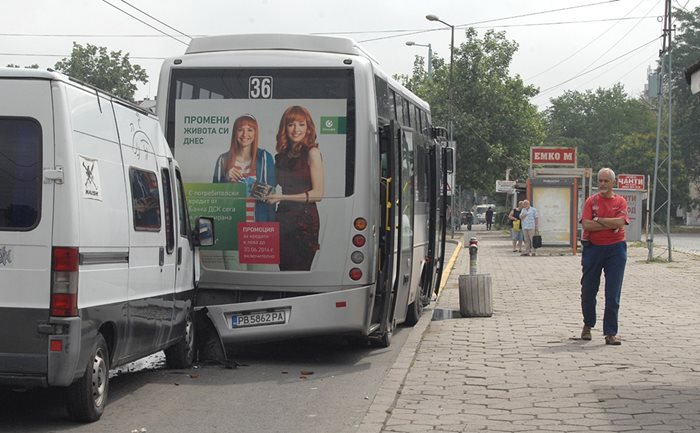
610	259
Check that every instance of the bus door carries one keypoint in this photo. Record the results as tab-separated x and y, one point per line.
389	240
432	278
406	206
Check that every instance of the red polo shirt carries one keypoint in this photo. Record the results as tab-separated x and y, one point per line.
613	207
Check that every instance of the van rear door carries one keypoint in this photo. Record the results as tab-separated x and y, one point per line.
26	211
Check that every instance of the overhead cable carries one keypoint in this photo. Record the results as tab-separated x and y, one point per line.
144	22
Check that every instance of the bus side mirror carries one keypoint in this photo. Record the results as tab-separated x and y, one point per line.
204	233
437	132
449	159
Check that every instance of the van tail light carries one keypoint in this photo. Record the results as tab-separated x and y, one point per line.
64	281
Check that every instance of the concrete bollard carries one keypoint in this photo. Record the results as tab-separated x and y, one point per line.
475	299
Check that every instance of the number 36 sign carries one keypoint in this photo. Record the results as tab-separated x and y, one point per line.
260	87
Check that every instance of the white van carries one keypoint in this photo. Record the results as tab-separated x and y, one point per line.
97	259
480	212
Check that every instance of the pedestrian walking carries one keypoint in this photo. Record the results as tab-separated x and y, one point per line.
530	220
516	232
604	250
489	218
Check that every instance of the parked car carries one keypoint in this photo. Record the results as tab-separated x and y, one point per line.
480	212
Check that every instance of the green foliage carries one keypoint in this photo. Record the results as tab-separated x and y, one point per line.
686	127
112	72
597	123
494	123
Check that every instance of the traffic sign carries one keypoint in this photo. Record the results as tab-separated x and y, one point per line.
506	186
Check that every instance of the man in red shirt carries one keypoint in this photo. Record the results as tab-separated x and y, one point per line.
603	219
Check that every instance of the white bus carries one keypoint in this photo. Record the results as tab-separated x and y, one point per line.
322	174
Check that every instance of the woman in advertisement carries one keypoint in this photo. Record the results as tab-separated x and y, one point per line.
299	169
245	163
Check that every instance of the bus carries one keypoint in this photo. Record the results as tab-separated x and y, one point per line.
324	178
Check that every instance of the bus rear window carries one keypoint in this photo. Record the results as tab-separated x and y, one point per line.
207	105
20	173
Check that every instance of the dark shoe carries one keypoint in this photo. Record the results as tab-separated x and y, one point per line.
586	333
613	339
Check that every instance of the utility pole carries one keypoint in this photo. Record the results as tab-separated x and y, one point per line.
665	51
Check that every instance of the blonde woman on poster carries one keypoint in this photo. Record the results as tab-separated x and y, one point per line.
299	169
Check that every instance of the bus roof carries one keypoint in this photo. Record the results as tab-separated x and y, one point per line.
276	41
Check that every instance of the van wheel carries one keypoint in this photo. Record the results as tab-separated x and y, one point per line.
208	343
181	354
86	398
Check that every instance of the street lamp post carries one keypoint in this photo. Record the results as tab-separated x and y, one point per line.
430	55
450	86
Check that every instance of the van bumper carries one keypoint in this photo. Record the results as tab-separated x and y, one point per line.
337	312
41	367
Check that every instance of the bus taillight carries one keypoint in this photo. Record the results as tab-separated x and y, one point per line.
355	274
358	241
360	224
357	257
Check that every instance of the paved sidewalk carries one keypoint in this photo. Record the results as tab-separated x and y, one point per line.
525	369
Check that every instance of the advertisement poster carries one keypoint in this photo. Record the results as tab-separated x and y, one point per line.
554	207
265	219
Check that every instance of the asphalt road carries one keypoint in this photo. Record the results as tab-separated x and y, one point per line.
315	385
685	242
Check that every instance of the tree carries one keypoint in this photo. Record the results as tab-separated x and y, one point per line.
686	106
494	123
111	72
596	123
610	129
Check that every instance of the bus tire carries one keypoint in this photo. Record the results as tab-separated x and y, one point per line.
383	340
182	353
86	398
415	309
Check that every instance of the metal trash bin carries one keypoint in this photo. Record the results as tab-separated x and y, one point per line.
475	298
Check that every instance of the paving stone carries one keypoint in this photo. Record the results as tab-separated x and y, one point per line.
525	368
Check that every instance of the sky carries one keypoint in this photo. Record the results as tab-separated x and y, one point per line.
563	45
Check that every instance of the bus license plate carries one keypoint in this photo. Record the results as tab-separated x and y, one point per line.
258	318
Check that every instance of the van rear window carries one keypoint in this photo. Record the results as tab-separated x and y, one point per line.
20	173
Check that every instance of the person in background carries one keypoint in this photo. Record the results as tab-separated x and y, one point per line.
516	232
529	219
469	219
603	219
299	170
489	218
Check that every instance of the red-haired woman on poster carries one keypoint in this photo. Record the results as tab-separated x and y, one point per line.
299	170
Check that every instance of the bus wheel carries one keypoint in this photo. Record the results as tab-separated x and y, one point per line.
415	309
181	354
385	339
86	398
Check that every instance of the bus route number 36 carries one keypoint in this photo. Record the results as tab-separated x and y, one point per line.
260	87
